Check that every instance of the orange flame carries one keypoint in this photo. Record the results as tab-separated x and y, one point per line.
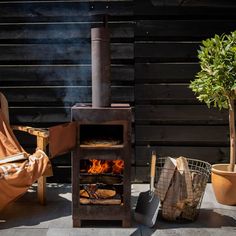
98	167
118	166
102	166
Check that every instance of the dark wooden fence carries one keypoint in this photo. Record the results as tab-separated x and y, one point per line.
45	68
168	117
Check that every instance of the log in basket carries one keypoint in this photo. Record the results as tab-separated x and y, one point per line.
180	186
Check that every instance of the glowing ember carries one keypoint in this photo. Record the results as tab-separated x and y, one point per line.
102	166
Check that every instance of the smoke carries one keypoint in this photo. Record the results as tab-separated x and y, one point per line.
51	45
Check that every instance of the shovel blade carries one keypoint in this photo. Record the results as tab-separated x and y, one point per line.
147	208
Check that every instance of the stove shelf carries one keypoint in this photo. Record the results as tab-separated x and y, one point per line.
85	146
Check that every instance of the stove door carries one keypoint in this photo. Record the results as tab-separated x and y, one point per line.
62	138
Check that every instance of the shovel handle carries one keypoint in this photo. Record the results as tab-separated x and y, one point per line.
153	168
153	164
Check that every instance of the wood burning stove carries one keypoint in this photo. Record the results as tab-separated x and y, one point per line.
101	163
104	134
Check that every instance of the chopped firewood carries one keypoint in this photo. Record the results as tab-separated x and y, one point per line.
100	201
98	194
183	169
180	189
91	190
198	184
165	178
184	192
174	201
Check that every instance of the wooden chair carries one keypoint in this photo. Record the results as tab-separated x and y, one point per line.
51	136
42	136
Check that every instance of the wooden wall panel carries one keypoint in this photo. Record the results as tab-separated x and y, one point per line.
180	114
164	93
45	67
64	11
58	53
45	60
164	51
209	153
165	72
168	117
71	74
177	9
183	29
181	135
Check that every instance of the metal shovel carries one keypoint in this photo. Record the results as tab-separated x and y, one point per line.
148	203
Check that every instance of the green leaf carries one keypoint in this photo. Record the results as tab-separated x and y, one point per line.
216	78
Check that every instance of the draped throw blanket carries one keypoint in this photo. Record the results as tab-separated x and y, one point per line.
17	177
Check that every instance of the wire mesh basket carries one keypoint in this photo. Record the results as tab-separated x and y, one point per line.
180	186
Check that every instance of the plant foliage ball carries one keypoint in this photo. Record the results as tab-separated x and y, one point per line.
215	83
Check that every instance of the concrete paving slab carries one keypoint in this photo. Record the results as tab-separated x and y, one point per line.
24	232
93	231
27	217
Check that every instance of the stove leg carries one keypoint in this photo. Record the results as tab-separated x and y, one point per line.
76	223
126	223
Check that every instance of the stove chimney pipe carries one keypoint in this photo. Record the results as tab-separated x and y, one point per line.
100	47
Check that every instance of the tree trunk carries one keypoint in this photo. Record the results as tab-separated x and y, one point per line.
232	136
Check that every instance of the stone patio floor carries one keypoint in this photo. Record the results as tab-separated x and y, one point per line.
26	217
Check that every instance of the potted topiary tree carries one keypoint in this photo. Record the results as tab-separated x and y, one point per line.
215	84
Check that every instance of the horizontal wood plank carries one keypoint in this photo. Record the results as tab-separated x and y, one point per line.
161	51
60	95
182	29
62	10
208	154
164	93
59	74
60	32
190	9
57	53
179	114
26	115
165	72
184	135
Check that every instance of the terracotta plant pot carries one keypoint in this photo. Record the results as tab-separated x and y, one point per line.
224	184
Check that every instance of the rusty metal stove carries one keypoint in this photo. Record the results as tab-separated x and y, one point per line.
98	122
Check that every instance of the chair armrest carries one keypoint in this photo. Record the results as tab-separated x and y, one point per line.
39	132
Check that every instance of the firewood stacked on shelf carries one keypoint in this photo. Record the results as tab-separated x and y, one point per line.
92	194
179	189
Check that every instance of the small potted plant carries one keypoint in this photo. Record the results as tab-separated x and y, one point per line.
215	84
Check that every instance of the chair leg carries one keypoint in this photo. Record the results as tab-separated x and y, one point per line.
42	190
42	144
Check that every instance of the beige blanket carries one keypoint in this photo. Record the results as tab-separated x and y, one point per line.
17	177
